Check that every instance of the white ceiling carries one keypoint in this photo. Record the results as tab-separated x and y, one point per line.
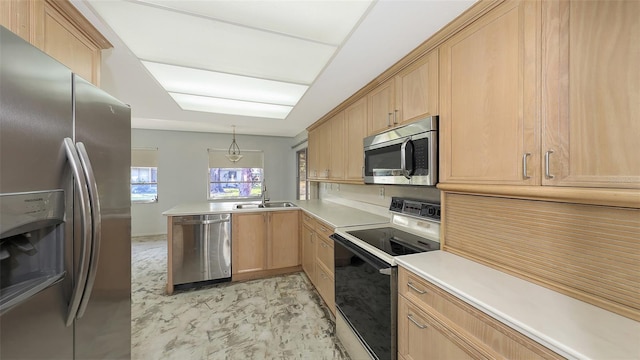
388	31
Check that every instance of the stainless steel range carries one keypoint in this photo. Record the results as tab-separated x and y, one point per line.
366	272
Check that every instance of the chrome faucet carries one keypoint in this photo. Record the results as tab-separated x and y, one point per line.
265	197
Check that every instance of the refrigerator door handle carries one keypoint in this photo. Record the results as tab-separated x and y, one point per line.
97	226
83	194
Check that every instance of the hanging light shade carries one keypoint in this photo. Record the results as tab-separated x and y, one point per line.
233	154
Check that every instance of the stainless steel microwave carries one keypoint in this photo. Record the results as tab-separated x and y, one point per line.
406	155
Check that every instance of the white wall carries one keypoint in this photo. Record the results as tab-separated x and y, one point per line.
183	167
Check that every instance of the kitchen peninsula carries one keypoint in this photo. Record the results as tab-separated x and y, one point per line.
264	241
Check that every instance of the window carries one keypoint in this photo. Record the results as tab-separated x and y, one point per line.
240	180
302	181
144	175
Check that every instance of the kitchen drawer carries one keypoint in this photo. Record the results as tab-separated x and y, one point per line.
326	287
308	220
324	253
421	336
496	335
323	229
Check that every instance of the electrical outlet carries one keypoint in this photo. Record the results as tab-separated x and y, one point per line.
381	192
337	187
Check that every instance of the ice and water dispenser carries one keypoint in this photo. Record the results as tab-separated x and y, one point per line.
31	244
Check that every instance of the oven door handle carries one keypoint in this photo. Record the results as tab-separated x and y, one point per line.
377	263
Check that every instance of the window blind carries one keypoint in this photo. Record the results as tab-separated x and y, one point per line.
144	157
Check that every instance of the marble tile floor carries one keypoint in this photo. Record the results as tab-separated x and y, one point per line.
275	318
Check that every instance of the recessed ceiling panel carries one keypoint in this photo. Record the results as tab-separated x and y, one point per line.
184	80
328	22
233	107
170	37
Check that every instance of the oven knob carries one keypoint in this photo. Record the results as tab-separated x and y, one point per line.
431	211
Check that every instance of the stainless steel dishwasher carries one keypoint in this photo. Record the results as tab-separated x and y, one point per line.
201	248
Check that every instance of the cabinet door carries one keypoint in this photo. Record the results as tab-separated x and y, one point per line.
420	338
417	89
381	107
356	124
284	248
14	15
323	150
248	242
337	147
313	148
309	253
56	36
326	287
591	93
488	74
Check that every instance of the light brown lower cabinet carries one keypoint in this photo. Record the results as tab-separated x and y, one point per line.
264	243
420	337
433	324
317	258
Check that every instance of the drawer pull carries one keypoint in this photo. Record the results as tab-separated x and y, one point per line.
414	288
323	229
324	245
416	322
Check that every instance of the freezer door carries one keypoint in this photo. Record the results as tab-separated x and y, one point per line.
35	117
103	127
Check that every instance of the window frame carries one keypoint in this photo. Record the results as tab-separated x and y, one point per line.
306	173
132	184
230	167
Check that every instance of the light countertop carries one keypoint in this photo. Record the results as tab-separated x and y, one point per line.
570	327
333	214
337	215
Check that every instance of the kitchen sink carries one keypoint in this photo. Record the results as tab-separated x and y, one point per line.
265	205
277	204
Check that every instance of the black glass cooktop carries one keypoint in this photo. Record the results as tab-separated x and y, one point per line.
395	242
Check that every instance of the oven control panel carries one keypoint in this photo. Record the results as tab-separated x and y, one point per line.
416	208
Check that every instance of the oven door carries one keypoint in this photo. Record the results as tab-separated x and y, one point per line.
366	296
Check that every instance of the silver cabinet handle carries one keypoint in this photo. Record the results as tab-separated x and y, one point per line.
421	326
524	166
414	288
395	117
85	247
324	245
389	119
96	218
547	171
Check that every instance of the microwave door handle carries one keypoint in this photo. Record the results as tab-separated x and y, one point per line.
403	158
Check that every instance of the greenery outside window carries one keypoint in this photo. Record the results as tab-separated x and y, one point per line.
240	180
144	175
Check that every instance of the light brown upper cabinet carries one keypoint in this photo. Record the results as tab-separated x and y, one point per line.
356	129
335	146
591	93
320	151
59	29
489	98
408	96
382	103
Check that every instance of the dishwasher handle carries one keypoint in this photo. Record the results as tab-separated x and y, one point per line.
201	222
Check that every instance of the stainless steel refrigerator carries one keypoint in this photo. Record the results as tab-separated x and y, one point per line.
65	217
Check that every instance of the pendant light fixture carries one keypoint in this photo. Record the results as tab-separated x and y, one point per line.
233	154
